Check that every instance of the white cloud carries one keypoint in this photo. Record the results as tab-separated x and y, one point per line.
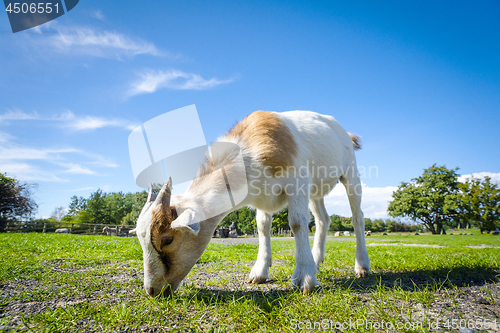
374	201
151	81
81	189
18	115
27	172
5	137
78	169
17	152
21	162
70	120
495	177
98	15
107	44
91	123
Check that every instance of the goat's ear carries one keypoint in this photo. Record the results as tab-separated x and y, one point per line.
187	221
151	194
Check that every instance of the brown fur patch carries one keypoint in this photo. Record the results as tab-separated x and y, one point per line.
268	138
356	141
160	225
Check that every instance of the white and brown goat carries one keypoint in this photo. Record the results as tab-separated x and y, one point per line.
292	158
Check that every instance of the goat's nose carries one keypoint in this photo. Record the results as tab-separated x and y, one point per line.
151	291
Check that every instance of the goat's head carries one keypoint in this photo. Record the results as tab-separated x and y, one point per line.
170	241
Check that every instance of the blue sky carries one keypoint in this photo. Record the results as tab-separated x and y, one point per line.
419	82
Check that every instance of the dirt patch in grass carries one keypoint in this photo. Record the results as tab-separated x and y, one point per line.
403	244
451	299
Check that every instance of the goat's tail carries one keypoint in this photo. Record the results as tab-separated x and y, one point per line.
356	141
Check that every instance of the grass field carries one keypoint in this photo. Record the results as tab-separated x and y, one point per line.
67	283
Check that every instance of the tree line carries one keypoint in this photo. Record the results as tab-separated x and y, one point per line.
436	200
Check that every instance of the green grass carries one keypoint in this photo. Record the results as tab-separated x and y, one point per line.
94	283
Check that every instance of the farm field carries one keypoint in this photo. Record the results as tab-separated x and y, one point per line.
70	283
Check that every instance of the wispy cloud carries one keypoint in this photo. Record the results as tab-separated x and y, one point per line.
99	43
97	14
91	123
81	189
78	169
69	120
30	163
151	81
5	137
495	177
17	152
29	172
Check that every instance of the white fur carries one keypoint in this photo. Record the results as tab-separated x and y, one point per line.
321	143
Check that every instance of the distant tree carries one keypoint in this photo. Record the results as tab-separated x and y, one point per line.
243	218
430	199
59	213
379	225
340	223
16	202
479	201
77	204
97	209
369	225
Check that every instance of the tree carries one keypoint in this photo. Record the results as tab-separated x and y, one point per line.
479	201
77	204
15	200
59	213
97	209
340	223
430	199
243	218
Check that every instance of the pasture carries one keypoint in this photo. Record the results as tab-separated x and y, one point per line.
70	283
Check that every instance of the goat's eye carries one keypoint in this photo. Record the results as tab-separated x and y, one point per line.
166	241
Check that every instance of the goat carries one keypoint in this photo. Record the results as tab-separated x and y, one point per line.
123	231
62	231
337	234
299	155
109	231
347	233
368	233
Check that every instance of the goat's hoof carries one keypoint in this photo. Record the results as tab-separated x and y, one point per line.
257	280
362	272
307	282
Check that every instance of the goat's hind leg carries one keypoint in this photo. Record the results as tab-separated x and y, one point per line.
353	187
260	271
322	223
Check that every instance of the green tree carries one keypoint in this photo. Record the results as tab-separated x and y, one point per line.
340	223
97	208
430	199
243	218
77	204
16	202
379	225
479	201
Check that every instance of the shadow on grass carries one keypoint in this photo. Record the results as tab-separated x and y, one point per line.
418	280
412	281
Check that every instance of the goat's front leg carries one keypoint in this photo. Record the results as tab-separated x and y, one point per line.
304	275
260	271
